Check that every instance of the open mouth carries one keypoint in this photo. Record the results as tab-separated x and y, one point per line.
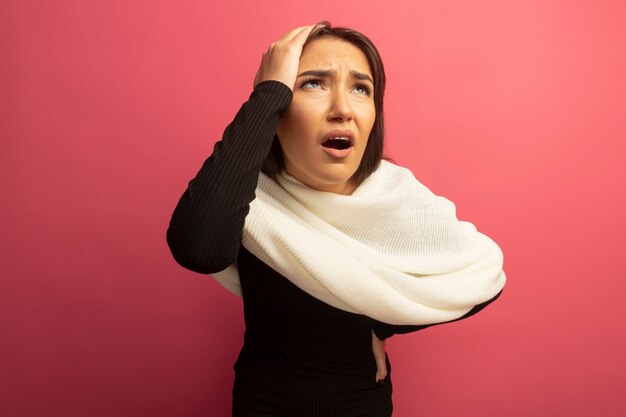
339	142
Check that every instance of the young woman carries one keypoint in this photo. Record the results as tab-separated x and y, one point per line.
332	248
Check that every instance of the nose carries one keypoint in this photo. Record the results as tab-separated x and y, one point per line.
340	107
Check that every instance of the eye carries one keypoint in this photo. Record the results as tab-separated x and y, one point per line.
311	83
363	89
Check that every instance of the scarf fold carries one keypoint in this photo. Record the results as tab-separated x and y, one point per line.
392	250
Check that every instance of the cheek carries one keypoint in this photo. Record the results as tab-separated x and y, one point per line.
372	115
302	116
294	122
368	119
291	130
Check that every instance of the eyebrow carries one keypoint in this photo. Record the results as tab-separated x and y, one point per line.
327	73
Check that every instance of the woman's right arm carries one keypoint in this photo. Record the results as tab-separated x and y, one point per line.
205	231
206	227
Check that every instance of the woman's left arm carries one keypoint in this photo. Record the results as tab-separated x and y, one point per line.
384	331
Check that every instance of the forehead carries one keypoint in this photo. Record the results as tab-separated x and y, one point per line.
329	52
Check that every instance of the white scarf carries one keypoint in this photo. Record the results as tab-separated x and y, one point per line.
392	250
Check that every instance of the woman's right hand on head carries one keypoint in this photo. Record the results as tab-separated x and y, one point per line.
281	60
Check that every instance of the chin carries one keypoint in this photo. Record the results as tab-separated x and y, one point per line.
331	183
328	177
336	176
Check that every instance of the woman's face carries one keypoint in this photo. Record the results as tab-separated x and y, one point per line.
325	130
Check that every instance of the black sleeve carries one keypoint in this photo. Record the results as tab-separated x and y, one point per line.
384	330
205	231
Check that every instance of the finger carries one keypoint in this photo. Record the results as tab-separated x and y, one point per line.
303	35
292	33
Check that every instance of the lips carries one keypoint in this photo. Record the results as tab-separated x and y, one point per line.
338	143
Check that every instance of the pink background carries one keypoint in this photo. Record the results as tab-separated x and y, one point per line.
514	110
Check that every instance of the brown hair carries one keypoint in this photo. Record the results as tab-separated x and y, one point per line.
373	154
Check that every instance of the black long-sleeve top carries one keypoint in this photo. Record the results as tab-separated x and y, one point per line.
301	357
